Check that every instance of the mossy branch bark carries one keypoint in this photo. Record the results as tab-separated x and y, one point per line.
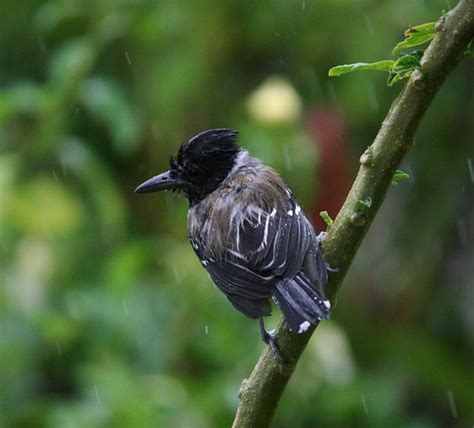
260	393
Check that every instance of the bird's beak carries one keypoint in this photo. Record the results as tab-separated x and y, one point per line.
162	181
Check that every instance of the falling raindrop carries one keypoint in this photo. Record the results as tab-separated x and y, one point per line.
55	176
97	396
303	6
128	58
206	329
364	403
471	169
462	232
125	307
369	25
176	274
452	404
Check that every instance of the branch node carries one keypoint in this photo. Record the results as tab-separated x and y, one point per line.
418	79
243	388
366	158
439	26
358	220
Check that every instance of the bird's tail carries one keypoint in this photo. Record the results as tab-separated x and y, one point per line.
301	303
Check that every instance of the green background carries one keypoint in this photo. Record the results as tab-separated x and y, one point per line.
107	318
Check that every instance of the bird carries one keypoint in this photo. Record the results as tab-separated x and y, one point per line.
248	231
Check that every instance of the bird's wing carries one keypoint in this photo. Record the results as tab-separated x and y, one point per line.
268	248
248	291
288	241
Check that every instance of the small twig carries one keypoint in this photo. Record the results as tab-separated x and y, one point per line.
259	394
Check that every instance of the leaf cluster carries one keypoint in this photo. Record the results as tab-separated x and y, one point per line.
404	65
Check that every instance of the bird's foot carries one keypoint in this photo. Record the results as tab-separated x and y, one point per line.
320	237
270	340
331	269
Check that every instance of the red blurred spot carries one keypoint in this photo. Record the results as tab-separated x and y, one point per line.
334	173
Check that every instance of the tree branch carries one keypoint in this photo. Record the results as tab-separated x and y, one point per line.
260	393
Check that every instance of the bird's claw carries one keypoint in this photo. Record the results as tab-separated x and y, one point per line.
331	269
269	338
320	236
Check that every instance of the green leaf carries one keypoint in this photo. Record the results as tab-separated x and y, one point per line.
398	70
406	61
416	36
398	176
404	66
327	218
339	70
362	205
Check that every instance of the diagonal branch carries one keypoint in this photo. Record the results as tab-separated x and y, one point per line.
260	393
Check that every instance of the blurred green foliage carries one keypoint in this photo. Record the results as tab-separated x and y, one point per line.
106	317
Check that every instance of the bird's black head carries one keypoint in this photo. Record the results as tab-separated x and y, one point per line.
200	166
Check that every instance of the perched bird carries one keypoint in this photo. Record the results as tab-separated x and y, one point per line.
248	231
